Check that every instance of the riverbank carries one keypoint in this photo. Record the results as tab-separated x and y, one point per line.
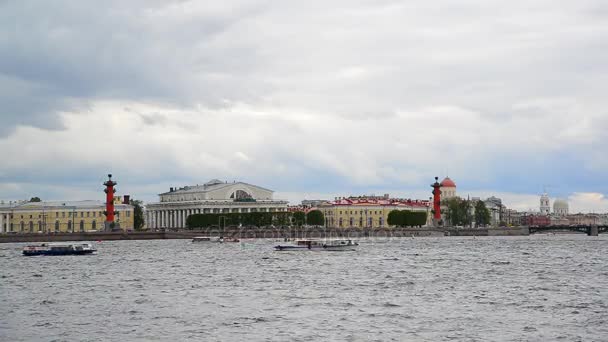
269	233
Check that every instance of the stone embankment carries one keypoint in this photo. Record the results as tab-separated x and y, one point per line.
270	233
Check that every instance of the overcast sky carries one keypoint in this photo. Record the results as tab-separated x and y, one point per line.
308	98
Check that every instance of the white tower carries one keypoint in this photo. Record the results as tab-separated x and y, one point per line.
545	208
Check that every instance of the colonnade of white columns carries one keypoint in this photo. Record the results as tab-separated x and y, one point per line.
169	218
177	218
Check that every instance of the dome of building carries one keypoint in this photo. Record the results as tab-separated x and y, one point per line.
447	182
560	207
448	188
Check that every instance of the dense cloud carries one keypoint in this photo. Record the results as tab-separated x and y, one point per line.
306	97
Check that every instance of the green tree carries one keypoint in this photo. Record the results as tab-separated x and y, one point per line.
407	218
35	199
482	214
394	218
298	218
138	215
315	218
458	211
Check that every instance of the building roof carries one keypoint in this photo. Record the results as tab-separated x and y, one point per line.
212	185
447	182
560	203
382	202
64	204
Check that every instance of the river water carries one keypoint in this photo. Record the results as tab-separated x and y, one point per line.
537	288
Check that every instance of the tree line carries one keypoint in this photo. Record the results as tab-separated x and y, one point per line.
257	219
406	218
462	212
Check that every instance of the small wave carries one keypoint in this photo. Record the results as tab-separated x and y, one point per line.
47	302
390	305
141	300
500	262
43	324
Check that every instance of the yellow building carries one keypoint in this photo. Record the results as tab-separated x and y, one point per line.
63	216
368	212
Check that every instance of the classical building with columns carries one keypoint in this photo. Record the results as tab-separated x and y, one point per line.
213	197
61	216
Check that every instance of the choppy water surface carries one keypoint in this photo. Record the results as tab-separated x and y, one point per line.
426	289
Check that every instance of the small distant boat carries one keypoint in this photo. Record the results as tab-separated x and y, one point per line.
59	249
319	245
214	239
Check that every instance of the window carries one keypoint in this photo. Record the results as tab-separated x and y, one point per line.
31	227
31	216
82	226
63	214
82	214
128	214
94	213
93	225
39	226
56	226
57	215
88	214
70	226
22	225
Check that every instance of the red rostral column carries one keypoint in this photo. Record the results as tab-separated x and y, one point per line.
109	190
436	200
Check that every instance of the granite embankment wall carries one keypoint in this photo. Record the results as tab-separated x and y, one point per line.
270	233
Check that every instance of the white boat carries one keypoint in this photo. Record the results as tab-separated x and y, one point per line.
59	249
213	239
319	245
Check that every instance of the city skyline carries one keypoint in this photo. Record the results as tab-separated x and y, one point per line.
309	100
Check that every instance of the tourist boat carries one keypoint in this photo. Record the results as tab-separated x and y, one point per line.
214	239
319	245
59	249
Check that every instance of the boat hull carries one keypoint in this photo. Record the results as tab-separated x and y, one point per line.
35	253
315	248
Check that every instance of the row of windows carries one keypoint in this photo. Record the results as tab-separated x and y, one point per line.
75	214
225	210
352	221
346	212
56	226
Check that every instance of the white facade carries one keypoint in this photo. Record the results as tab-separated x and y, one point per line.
213	197
448	188
560	207
545	207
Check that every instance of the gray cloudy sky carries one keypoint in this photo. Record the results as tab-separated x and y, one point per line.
311	99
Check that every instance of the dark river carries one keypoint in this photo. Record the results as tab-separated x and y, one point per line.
538	288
